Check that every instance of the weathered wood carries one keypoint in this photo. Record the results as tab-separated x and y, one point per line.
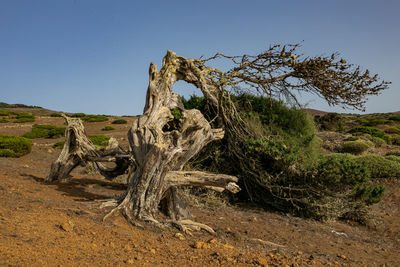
161	145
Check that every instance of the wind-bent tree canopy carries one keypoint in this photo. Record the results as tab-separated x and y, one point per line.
167	136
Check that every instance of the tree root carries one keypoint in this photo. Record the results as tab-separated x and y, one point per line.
187	226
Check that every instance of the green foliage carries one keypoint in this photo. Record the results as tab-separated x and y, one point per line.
373	121
393	130
194	102
354	147
95	118
59	145
329	122
378	142
177	113
22	120
45	131
4	120
55	115
119	121
6	112
352	138
395	118
78	115
14	146
108	128
396	140
371	131
99	140
393	158
395	152
380	167
5	105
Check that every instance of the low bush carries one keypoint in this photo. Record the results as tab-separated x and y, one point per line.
379	166
396	140
99	140
393	130
5	112
394	118
352	138
45	131
373	121
78	115
393	158
371	131
14	146
22	120
119	121
95	118
4	120
395	152
378	142
55	115
354	147
21	115
59	145
108	128
329	122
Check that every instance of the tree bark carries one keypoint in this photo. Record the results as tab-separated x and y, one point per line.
161	145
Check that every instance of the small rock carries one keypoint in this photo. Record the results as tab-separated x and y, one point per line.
299	253
179	236
254	219
152	251
227	246
212	241
67	226
228	229
201	245
261	261
130	261
127	248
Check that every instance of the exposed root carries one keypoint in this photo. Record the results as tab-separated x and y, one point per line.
113	202
187	226
111	213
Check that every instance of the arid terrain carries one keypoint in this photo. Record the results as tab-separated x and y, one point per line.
61	224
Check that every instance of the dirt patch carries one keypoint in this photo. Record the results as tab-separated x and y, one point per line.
61	224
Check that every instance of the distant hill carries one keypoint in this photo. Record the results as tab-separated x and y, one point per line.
5	105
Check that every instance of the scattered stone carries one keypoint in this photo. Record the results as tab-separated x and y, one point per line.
261	261
127	248
152	251
180	236
227	246
228	229
67	226
342	256
212	241
254	219
201	245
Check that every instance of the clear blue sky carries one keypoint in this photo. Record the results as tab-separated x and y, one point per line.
92	56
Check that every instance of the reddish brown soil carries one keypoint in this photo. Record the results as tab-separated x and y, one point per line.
60	224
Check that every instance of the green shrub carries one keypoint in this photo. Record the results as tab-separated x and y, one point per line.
21	115
395	118
371	131
55	115
393	130
59	145
380	167
14	146
108	128
95	118
354	147
329	122
45	131
5	112
395	152
119	121
352	138
4	120
372	121
22	120
393	158
78	115
99	140
396	140
378	142
177	113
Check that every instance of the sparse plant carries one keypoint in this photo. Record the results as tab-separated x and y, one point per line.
78	115
396	140
95	118
99	140
371	131
55	115
380	167
4	121
59	145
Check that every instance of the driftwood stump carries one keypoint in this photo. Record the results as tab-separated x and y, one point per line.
162	141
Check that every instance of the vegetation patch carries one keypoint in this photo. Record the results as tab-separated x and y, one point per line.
396	140
354	147
78	115
329	122
95	118
59	145
119	121
4	120
108	128
24	117
45	131
14	146
6	112
371	131
379	166
373	121
394	118
55	115
99	140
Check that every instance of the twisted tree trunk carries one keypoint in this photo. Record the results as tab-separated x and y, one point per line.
162	141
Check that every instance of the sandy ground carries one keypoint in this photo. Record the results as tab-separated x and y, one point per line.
60	224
